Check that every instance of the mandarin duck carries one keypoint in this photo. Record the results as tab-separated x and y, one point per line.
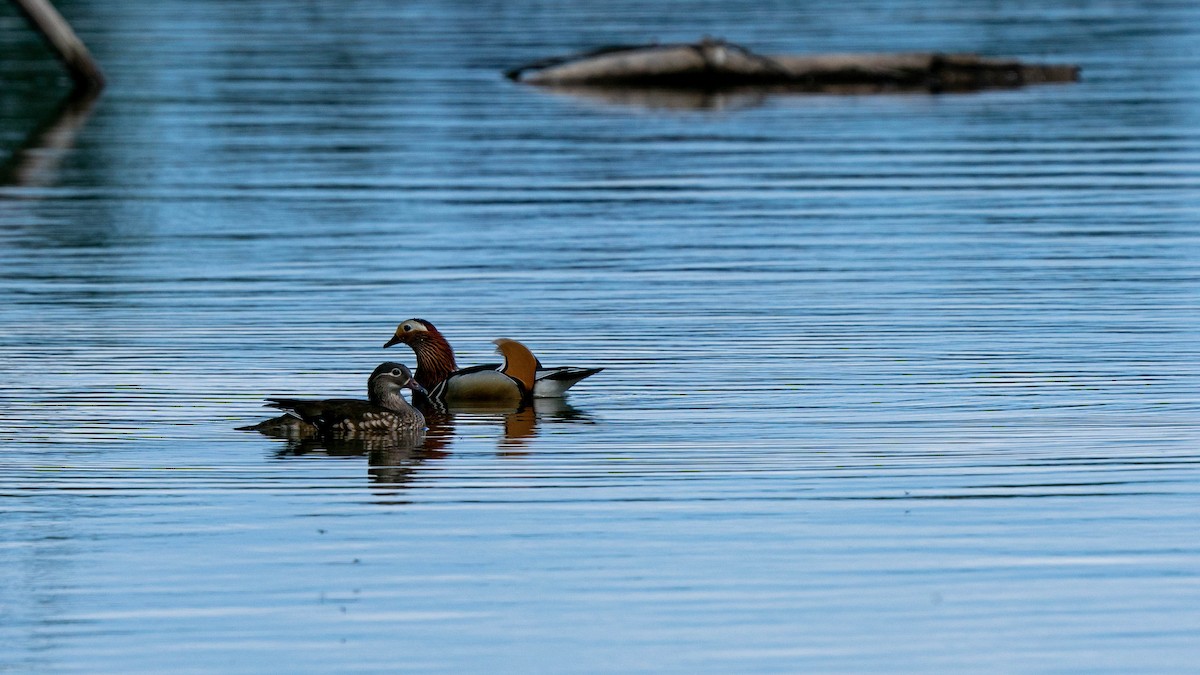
385	411
435	361
510	382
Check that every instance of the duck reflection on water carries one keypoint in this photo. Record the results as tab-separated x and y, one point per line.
394	458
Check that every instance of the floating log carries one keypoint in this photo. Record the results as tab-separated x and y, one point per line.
666	98
66	44
717	65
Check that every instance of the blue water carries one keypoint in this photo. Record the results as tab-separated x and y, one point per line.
895	383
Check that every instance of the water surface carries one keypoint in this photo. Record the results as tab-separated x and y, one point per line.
892	383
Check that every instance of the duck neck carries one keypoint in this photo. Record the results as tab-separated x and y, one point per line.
385	394
435	360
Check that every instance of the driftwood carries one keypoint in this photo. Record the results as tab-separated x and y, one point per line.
713	65
66	45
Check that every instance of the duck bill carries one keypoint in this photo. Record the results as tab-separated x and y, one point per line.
412	384
396	339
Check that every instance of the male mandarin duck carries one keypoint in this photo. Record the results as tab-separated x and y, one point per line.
509	383
385	411
435	363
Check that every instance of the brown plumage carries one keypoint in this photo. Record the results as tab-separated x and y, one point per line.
519	363
385	410
435	357
509	383
436	364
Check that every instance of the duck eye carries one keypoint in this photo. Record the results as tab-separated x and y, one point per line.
396	371
407	327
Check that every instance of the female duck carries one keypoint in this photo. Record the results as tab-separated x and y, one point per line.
385	411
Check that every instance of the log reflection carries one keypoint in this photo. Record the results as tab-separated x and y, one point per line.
36	160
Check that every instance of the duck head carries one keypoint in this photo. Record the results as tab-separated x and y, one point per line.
414	332
519	363
391	377
435	357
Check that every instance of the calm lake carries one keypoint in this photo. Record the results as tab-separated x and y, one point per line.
903	383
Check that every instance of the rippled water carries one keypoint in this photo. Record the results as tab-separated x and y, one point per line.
892	383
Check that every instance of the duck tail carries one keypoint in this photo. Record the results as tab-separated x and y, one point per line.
554	382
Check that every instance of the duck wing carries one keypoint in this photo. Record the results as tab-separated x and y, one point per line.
478	384
318	412
348	415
